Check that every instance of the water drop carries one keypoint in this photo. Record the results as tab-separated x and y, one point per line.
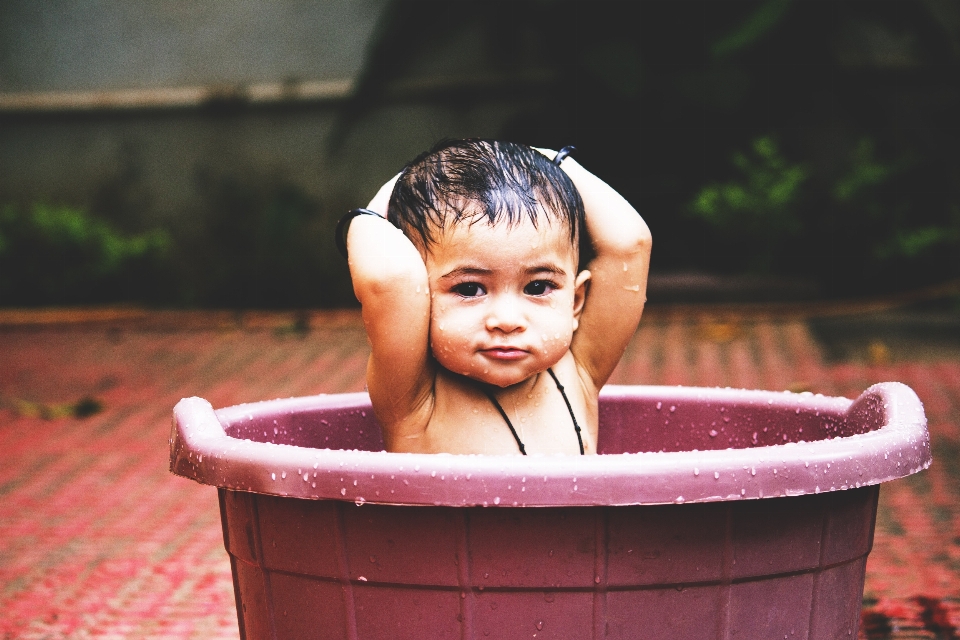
716	475
496	500
696	471
540	622
273	476
283	475
713	433
659	405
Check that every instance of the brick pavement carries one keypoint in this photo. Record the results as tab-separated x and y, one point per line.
98	540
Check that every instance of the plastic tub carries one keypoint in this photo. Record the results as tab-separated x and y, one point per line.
663	536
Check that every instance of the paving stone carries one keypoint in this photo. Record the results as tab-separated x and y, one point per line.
99	540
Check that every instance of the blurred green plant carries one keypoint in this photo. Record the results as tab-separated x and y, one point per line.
757	24
762	207
844	226
61	255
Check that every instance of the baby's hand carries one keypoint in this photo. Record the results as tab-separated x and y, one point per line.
382	199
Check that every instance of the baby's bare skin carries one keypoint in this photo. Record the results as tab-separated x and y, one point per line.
490	309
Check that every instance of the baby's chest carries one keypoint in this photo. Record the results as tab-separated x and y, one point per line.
477	423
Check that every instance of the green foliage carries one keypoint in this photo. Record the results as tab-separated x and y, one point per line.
61	254
760	208
850	225
755	26
865	172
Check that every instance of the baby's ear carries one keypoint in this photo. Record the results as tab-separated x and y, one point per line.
580	287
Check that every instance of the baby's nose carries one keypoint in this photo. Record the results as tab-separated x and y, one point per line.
505	314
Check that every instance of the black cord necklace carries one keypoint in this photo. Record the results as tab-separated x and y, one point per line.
503	414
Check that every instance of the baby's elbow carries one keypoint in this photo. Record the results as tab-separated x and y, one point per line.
631	242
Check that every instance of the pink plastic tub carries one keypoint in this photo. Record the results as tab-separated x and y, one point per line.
665	536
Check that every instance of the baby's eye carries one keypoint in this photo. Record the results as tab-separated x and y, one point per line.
539	288
468	289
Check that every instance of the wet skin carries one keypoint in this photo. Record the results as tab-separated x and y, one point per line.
504	307
505	299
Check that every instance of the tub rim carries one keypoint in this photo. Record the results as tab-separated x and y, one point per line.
201	450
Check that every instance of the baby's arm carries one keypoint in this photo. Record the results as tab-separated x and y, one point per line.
390	280
618	283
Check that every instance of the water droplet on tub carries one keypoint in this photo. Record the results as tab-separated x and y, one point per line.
496	500
713	433
343	492
273	476
306	476
696	471
673	408
659	406
283	475
540	622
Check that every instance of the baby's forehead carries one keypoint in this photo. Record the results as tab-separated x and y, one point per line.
508	247
465	230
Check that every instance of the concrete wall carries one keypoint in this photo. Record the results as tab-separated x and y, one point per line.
88	118
63	45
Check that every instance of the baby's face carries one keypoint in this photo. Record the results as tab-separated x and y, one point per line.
505	299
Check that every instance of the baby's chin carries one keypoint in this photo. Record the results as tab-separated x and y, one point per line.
502	377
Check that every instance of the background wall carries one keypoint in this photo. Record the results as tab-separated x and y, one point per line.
199	153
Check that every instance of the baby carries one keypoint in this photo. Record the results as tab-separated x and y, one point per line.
487	336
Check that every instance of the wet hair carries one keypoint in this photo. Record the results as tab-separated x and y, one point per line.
468	181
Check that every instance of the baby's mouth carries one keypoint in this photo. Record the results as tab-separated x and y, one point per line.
505	353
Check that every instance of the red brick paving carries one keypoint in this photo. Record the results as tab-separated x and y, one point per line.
98	540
